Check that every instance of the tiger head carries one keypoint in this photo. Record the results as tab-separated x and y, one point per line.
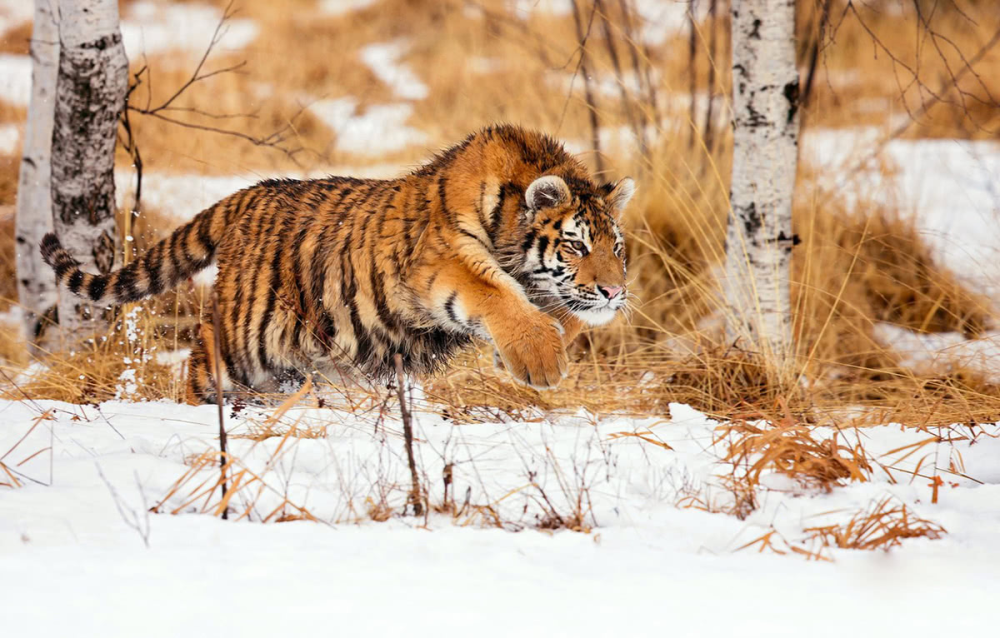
574	250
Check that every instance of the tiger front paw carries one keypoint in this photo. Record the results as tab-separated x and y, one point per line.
532	351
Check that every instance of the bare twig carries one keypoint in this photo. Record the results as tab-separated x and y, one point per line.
275	140
415	500
127	512
217	356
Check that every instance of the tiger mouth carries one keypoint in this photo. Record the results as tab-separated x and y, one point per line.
580	305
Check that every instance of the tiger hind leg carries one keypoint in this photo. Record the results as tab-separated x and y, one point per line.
201	375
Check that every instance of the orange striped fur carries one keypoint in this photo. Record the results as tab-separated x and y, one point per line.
504	236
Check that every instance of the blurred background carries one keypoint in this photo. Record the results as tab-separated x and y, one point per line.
899	168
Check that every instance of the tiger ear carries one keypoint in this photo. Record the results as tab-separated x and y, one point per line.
546	192
619	195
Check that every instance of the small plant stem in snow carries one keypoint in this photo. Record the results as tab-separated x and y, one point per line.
415	500
217	355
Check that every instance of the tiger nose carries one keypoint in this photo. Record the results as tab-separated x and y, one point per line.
610	291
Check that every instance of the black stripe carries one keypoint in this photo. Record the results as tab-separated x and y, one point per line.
449	308
247	231
75	282
175	265
349	289
64	265
468	234
543	243
272	297
528	241
479	205
325	245
153	262
264	242
385	315
124	288
205	234
444	200
96	288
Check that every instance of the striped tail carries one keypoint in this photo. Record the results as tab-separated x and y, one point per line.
187	250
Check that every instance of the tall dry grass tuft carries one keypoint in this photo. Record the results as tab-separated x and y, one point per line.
884	524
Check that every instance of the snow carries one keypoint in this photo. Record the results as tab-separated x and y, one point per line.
150	27
10	137
646	563
184	195
14	13
951	188
664	18
523	9
383	60
15	79
341	7
942	351
378	130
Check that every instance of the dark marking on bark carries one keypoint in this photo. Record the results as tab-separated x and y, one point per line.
751	219
791	92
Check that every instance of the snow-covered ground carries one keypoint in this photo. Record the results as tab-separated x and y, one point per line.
74	554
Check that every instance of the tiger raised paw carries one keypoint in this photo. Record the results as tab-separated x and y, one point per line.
504	236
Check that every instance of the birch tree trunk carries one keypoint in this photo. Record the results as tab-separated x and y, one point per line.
90	93
759	237
36	287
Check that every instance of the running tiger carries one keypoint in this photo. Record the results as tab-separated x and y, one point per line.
503	236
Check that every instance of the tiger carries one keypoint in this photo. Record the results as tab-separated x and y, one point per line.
504	237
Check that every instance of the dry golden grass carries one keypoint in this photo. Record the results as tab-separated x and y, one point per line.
788	447
883	525
16	41
8	265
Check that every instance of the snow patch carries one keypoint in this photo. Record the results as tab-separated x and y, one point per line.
341	7
661	19
950	188
523	9
15	79
380	129
939	351
383	60
10	137
184	195
14	13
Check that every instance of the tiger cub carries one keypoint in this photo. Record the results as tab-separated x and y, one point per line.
504	236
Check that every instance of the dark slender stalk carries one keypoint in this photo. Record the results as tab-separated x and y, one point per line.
643	77
693	70
609	42
415	500
709	134
814	49
588	94
217	367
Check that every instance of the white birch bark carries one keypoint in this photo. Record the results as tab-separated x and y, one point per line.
36	287
90	93
759	237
